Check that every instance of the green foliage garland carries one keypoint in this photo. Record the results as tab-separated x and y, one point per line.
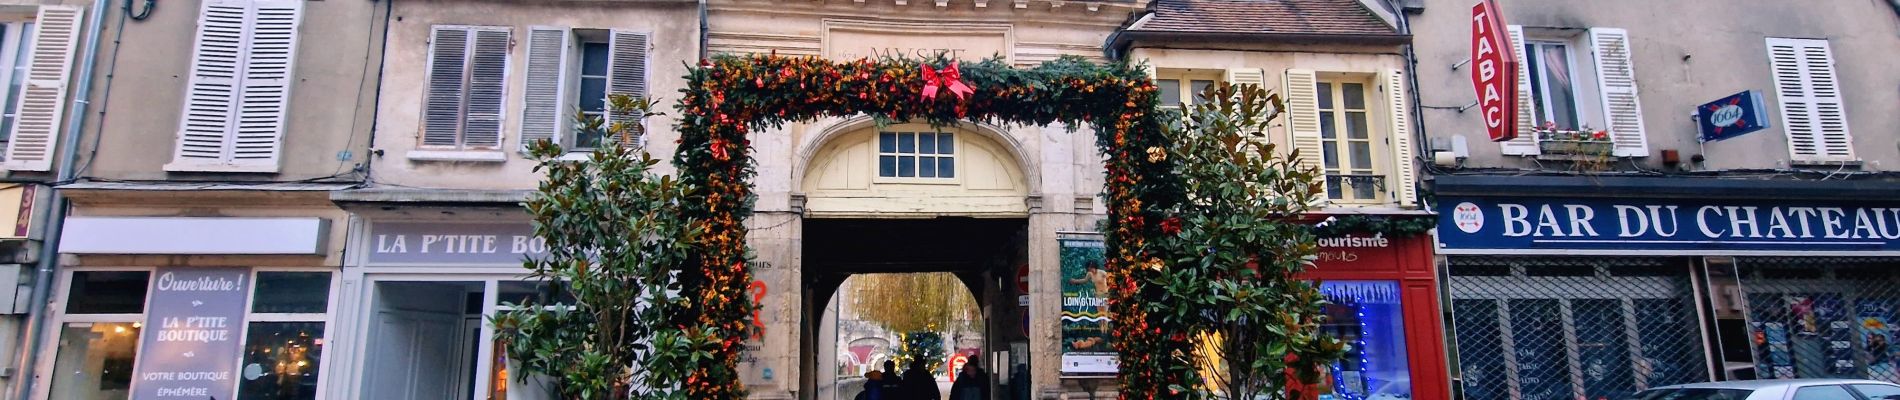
1389	226
731	96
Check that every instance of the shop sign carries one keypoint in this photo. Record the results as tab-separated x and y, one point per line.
1477	225
1085	322
190	349
1731	116
1494	71
453	243
1356	252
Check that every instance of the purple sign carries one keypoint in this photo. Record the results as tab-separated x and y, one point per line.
453	243
190	350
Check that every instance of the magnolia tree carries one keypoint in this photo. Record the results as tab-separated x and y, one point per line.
614	234
1245	241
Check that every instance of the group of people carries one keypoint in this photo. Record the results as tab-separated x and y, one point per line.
917	383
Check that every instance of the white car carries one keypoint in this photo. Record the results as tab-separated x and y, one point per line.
1784	389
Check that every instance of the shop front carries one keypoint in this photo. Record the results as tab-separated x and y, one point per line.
1384	303
190	307
416	301
1565	296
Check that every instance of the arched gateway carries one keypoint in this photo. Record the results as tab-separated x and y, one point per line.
925	183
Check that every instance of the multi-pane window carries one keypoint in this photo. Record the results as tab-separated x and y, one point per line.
591	96
1553	84
14	52
1347	141
105	311
1181	89
916	155
285	341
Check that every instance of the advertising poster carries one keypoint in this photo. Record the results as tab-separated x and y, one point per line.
190	349
1085	335
1877	336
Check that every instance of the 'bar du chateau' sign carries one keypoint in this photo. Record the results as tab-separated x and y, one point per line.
190	349
1481	225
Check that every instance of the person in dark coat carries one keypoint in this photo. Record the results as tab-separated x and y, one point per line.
972	383
918	384
892	381
1019	381
873	387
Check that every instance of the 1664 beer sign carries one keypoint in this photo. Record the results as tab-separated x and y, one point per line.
1494	71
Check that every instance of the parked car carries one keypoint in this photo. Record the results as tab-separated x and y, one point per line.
1785	389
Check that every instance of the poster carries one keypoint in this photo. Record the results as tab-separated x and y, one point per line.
1878	336
1085	336
190	349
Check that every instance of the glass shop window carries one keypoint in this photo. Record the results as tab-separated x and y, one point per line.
1367	316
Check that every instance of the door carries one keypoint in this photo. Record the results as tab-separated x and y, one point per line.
408	356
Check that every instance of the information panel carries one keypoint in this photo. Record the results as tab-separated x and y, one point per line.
190	350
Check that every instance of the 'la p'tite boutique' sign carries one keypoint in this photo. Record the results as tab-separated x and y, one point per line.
1502	225
190	350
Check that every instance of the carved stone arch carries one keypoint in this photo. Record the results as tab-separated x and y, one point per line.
833	127
836	172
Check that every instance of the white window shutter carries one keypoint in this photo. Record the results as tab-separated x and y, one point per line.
442	105
262	107
1526	142
43	97
1404	185
1302	118
487	82
217	60
1813	110
1246	76
1616	81
545	93
627	73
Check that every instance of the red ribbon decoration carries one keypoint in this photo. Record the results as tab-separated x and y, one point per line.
950	79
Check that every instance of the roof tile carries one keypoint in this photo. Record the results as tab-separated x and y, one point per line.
1297	17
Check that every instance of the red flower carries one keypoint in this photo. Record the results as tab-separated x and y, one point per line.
1171	226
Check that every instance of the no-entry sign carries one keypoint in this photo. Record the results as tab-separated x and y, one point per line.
1494	71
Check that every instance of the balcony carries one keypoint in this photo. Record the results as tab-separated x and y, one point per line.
1574	145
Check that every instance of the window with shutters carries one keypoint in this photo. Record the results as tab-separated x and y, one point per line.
1813	111
570	76
14	53
39	56
466	89
1356	129
1351	145
238	93
1184	86
1579	96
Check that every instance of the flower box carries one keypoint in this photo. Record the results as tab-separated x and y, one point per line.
1576	147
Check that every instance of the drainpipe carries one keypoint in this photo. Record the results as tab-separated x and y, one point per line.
702	29
56	216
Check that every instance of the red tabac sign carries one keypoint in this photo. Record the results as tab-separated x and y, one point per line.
1494	71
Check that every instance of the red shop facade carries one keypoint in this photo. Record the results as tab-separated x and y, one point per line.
1384	295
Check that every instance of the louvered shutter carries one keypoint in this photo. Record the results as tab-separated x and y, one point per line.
1616	81
487	80
627	74
1526	142
1404	185
211	92
43	97
1250	76
1302	118
544	111
448	68
257	139
1812	107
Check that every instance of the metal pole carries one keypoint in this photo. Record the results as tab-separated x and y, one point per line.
48	257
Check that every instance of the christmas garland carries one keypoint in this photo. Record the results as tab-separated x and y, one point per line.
1388	226
729	97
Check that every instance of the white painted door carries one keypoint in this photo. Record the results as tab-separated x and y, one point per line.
410	359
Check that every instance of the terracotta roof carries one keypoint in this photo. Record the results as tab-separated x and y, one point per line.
1289	17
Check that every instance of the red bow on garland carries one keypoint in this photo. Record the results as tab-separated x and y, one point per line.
950	79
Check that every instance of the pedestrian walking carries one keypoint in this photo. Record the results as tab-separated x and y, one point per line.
919	384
